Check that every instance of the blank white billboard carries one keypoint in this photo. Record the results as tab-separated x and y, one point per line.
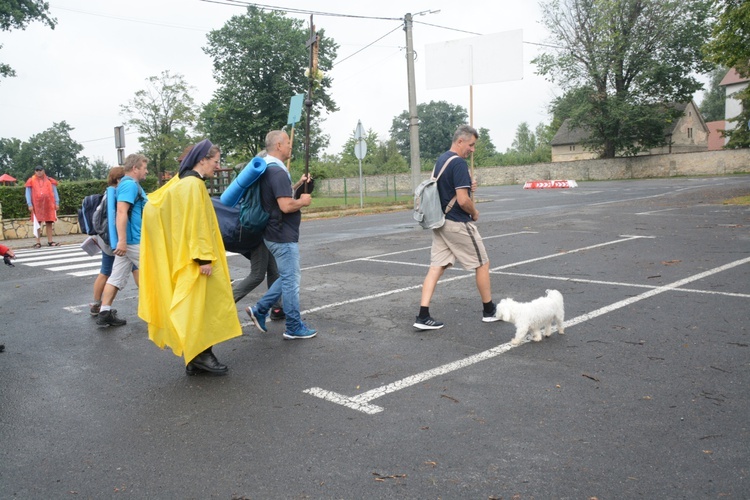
469	61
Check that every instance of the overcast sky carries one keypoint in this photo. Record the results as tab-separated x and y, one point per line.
101	53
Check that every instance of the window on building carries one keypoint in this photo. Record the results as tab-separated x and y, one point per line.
690	133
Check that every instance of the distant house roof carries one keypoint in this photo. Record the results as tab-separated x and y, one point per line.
567	135
732	77
715	140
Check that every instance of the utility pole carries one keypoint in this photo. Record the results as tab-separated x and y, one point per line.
413	118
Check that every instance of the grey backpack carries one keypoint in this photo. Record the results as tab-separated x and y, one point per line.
427	209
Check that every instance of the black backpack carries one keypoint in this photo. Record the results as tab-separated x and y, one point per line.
86	213
235	237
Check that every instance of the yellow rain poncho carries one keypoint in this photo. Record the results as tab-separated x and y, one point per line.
185	310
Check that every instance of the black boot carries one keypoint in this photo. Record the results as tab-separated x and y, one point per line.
191	369
206	361
109	318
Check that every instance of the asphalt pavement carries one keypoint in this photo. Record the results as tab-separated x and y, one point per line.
645	396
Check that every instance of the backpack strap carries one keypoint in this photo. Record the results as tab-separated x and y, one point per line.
450	204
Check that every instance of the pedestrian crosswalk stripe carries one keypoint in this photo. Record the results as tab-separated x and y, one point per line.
57	260
90	272
65	258
37	257
97	264
61	259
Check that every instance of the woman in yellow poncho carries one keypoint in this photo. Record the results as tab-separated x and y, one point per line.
185	293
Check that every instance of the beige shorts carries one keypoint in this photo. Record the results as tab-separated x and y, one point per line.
458	241
123	266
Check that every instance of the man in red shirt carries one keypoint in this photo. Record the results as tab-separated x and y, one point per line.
43	202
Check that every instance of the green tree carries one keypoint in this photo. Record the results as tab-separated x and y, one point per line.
381	158
525	140
528	147
544	135
259	61
485	152
438	120
99	168
730	47
9	149
389	159
17	14
162	113
369	163
627	60
714	100
56	151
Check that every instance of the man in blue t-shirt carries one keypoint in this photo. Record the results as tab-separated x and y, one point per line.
458	239
129	208
281	237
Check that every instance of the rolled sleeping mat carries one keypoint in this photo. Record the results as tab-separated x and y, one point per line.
112	216
244	180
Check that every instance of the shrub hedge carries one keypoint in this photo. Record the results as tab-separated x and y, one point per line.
72	193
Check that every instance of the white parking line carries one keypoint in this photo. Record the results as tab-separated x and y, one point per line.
616	283
77	309
399	252
361	402
656	211
623	239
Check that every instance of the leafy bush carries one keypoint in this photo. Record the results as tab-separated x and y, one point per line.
72	193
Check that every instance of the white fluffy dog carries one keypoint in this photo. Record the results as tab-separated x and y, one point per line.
533	316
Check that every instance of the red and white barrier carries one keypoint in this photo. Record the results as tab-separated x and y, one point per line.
550	184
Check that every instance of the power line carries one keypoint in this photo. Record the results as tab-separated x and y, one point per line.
480	34
133	20
108	138
446	28
351	16
299	11
366	46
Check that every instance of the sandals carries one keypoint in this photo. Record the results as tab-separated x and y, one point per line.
37	245
53	244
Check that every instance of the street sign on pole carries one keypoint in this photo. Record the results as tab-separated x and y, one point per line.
120	144
295	109
120	137
360	149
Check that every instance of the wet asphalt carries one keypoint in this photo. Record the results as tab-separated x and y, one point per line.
645	396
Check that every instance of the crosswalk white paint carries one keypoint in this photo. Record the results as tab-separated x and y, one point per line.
61	259
68	259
